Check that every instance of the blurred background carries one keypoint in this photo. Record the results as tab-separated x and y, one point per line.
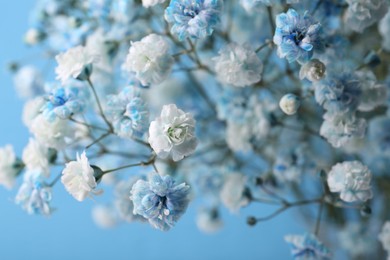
70	232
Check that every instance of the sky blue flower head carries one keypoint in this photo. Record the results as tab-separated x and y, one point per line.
339	93
34	195
307	247
128	113
297	36
62	103
193	18
160	200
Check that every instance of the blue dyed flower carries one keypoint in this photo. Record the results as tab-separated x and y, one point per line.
193	18
160	200
34	195
62	103
128	113
339	94
307	247
297	36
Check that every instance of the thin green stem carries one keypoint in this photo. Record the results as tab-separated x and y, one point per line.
98	140
318	221
146	163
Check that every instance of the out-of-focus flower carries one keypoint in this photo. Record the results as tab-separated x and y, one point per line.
233	192
384	30
128	113
193	18
32	109
314	70
36	157
104	216
149	59
173	133
384	237
209	220
149	3
307	247
352	179
238	65
160	200
34	195
9	167
28	82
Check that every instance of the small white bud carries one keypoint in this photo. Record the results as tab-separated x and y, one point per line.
289	104
314	70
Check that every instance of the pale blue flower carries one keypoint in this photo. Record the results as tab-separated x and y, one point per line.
160	200
128	113
297	37
307	247
63	103
34	195
193	18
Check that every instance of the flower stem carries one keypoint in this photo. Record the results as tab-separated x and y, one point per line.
148	162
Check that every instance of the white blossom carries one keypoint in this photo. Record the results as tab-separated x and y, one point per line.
56	134
74	63
238	65
149	3
173	133
104	216
352	179
289	104
384	30
149	59
232	193
36	157
78	178
32	109
384	238
8	171
28	82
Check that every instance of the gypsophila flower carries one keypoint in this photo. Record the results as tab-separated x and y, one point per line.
123	204
363	13
307	247
62	103
32	109
209	220
28	82
289	104
160	200
104	216
314	70
297	37
233	192
193	18
357	240
128	112
75	63
384	237
352	179
384	30
9	166
149	3
36	157
238	65
173	133
149	59
78	178
56	134
34	195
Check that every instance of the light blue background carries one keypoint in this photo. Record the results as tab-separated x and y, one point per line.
70	232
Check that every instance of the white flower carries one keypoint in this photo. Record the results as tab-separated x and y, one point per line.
104	216
32	36
208	220
289	104
384	237
74	63
173	133
384	30
149	59
314	70
238	65
78	178
56	134
32	109
28	82
238	136
149	3
8	171
232	193
36	157
352	180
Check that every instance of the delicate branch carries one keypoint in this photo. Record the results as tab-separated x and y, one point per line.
149	162
98	140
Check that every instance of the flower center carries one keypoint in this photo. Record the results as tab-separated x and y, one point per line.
177	134
192	10
298	36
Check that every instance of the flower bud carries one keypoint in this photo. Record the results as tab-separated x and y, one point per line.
314	70
33	36
289	104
